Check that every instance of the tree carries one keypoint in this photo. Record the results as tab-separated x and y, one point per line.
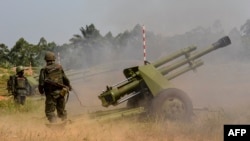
38	51
76	39
19	52
245	29
90	32
4	59
109	36
24	53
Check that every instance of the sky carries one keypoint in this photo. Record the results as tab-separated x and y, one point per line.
59	20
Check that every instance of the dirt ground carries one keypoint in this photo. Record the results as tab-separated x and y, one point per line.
223	89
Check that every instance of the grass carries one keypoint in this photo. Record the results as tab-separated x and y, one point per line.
27	123
10	107
4	76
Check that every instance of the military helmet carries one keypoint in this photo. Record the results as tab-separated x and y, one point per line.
49	56
19	69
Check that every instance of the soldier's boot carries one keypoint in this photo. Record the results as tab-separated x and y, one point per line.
63	118
22	100
62	114
52	119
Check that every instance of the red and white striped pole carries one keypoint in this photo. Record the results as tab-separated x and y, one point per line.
144	44
59	59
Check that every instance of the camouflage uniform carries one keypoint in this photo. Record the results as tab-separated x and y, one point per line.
10	83
54	100
20	86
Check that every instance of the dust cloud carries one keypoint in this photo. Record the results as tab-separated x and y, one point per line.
220	85
221	82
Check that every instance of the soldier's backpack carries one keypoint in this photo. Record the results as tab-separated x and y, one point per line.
20	85
54	73
10	84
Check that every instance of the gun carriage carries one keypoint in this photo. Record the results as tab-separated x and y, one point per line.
147	88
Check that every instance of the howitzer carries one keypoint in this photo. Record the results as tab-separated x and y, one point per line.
148	86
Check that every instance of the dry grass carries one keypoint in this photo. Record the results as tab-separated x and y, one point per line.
29	128
228	89
27	123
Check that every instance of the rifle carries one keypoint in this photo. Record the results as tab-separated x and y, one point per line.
63	92
56	84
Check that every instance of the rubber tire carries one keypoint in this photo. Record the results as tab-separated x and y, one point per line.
168	95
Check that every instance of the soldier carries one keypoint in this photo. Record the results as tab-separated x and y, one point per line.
10	83
52	80
20	86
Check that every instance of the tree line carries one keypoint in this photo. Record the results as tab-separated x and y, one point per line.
91	48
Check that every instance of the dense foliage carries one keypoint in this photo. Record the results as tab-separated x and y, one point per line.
92	48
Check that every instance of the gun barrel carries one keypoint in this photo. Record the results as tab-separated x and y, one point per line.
111	96
219	44
173	56
135	76
186	69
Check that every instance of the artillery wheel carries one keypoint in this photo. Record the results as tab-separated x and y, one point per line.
172	104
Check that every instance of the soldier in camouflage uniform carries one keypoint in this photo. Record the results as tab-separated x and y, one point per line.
20	86
10	83
55	100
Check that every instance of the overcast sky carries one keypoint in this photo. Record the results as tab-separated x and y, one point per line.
59	20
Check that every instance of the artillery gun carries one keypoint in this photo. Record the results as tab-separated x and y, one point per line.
147	88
